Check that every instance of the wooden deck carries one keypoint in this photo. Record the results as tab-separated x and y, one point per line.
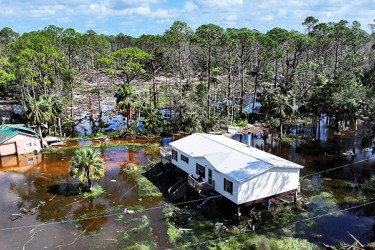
199	186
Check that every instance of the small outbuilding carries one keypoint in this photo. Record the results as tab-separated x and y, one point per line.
18	139
243	174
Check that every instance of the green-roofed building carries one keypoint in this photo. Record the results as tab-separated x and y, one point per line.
18	139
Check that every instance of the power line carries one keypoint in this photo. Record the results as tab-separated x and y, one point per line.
274	228
105	215
342	166
162	206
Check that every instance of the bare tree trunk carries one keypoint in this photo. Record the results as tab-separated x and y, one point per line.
100	117
255	92
355	136
209	84
59	123
154	90
242	92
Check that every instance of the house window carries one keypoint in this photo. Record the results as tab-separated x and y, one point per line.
28	143
228	186
174	155
201	171
184	158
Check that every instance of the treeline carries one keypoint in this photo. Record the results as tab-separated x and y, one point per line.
207	76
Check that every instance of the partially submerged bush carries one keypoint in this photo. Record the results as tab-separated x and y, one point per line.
96	191
369	186
291	243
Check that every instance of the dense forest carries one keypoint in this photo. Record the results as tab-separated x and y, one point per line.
207	76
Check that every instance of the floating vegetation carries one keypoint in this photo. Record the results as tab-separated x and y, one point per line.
287	139
369	186
307	185
198	232
323	203
96	191
291	243
140	235
145	187
144	223
53	150
151	147
120	217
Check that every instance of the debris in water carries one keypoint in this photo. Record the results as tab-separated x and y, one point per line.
128	211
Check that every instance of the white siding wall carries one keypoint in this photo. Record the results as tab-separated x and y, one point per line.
219	187
216	176
274	181
191	167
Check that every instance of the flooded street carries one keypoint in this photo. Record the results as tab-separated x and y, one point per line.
332	179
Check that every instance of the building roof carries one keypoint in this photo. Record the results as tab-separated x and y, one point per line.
231	157
8	131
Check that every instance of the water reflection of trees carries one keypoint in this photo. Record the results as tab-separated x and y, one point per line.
36	183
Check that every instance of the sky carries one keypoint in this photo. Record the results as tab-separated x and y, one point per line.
137	17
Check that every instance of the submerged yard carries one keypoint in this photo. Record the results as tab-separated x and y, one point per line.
132	212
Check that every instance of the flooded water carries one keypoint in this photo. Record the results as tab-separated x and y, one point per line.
330	168
62	222
68	221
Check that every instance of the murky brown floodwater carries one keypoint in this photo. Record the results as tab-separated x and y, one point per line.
343	183
26	180
62	222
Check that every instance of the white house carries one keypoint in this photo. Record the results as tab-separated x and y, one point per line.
241	173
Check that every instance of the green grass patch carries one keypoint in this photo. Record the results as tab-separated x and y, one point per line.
291	243
120	217
208	234
150	147
174	234
140	235
53	150
145	187
96	191
287	139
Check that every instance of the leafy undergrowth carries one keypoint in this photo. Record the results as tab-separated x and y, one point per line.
287	139
95	192
145	187
188	229
139	235
130	145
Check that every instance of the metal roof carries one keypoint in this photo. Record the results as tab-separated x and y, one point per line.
8	131
231	157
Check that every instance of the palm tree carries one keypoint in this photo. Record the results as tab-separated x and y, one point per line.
126	100
87	165
282	107
38	111
56	105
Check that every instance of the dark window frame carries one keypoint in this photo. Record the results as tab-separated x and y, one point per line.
174	155
184	158
228	186
210	180
200	170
